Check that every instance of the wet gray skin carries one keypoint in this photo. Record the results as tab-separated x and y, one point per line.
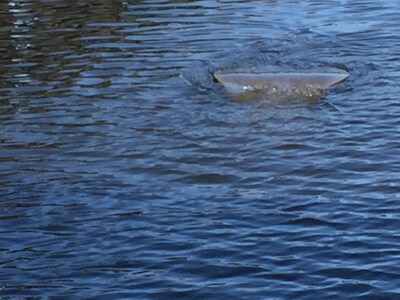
310	84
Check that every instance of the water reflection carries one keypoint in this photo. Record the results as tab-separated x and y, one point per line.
46	37
6	47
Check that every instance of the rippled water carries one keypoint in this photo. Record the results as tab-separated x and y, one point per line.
126	172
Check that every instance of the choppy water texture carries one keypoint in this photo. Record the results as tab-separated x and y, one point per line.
125	171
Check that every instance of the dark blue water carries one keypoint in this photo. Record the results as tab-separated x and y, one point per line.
126	172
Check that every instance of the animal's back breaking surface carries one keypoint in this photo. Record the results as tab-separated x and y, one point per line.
305	83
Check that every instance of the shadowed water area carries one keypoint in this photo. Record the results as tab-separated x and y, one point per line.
127	172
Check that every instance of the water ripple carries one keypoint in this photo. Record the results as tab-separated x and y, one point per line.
126	172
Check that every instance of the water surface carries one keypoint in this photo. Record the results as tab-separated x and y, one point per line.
125	171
